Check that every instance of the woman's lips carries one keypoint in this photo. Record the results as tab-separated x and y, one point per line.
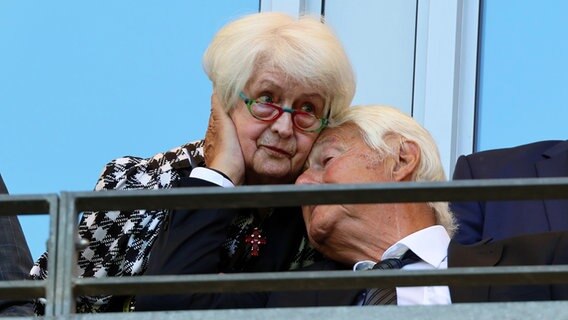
278	151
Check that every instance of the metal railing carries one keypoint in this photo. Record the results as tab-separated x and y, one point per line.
63	286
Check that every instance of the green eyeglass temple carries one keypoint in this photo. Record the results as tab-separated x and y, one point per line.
249	102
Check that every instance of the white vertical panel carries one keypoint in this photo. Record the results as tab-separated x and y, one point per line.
291	7
446	74
421	60
379	38
440	84
311	7
467	79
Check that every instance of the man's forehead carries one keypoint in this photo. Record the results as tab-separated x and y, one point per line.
329	136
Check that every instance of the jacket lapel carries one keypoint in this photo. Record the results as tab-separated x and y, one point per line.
481	254
334	297
555	164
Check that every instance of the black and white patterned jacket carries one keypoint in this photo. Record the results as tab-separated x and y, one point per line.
120	241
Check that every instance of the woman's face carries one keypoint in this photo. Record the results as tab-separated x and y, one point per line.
275	152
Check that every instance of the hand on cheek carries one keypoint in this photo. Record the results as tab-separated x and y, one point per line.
222	148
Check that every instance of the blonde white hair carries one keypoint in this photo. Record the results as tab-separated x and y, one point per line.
379	123
305	49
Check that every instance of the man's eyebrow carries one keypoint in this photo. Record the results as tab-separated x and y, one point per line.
325	140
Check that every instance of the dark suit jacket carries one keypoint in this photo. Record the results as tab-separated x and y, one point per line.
191	243
504	219
15	260
549	248
539	249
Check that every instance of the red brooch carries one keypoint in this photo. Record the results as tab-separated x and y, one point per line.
255	239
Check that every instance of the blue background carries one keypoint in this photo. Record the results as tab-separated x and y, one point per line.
84	82
523	73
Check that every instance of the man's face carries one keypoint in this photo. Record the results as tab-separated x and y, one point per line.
341	156
275	152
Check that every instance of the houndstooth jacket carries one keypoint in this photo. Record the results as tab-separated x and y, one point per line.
120	241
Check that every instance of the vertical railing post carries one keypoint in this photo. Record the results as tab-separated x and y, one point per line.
52	258
66	256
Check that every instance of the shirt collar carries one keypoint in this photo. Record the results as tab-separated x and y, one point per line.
430	244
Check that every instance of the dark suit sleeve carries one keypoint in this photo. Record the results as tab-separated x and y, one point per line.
15	261
191	244
549	248
470	215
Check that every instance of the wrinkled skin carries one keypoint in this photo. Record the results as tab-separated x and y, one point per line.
353	232
222	148
252	151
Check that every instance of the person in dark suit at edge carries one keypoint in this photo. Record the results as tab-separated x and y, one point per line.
504	219
15	260
368	145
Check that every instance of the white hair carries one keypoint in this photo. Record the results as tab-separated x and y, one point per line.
305	49
378	123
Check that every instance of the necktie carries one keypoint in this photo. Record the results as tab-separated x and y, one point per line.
381	296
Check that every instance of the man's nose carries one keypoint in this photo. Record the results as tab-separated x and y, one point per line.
309	176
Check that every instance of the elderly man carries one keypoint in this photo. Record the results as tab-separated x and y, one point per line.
371	145
379	144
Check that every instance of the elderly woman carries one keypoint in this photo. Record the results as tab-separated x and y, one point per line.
279	80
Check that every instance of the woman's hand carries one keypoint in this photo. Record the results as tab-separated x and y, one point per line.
222	148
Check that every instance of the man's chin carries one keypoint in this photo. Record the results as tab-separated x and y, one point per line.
318	234
307	212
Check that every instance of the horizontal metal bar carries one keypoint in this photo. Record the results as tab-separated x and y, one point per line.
26	204
22	289
465	311
291	195
315	280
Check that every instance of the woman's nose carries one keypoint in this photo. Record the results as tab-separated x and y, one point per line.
284	125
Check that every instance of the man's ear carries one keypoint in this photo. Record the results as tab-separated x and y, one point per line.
408	160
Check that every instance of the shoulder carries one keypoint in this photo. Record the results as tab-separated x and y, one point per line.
507	161
551	240
131	172
540	248
535	149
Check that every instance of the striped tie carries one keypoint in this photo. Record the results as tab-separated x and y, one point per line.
380	296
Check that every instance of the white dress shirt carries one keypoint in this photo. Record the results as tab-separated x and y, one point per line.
431	246
211	176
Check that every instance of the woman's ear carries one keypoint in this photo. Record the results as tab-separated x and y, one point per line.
407	162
